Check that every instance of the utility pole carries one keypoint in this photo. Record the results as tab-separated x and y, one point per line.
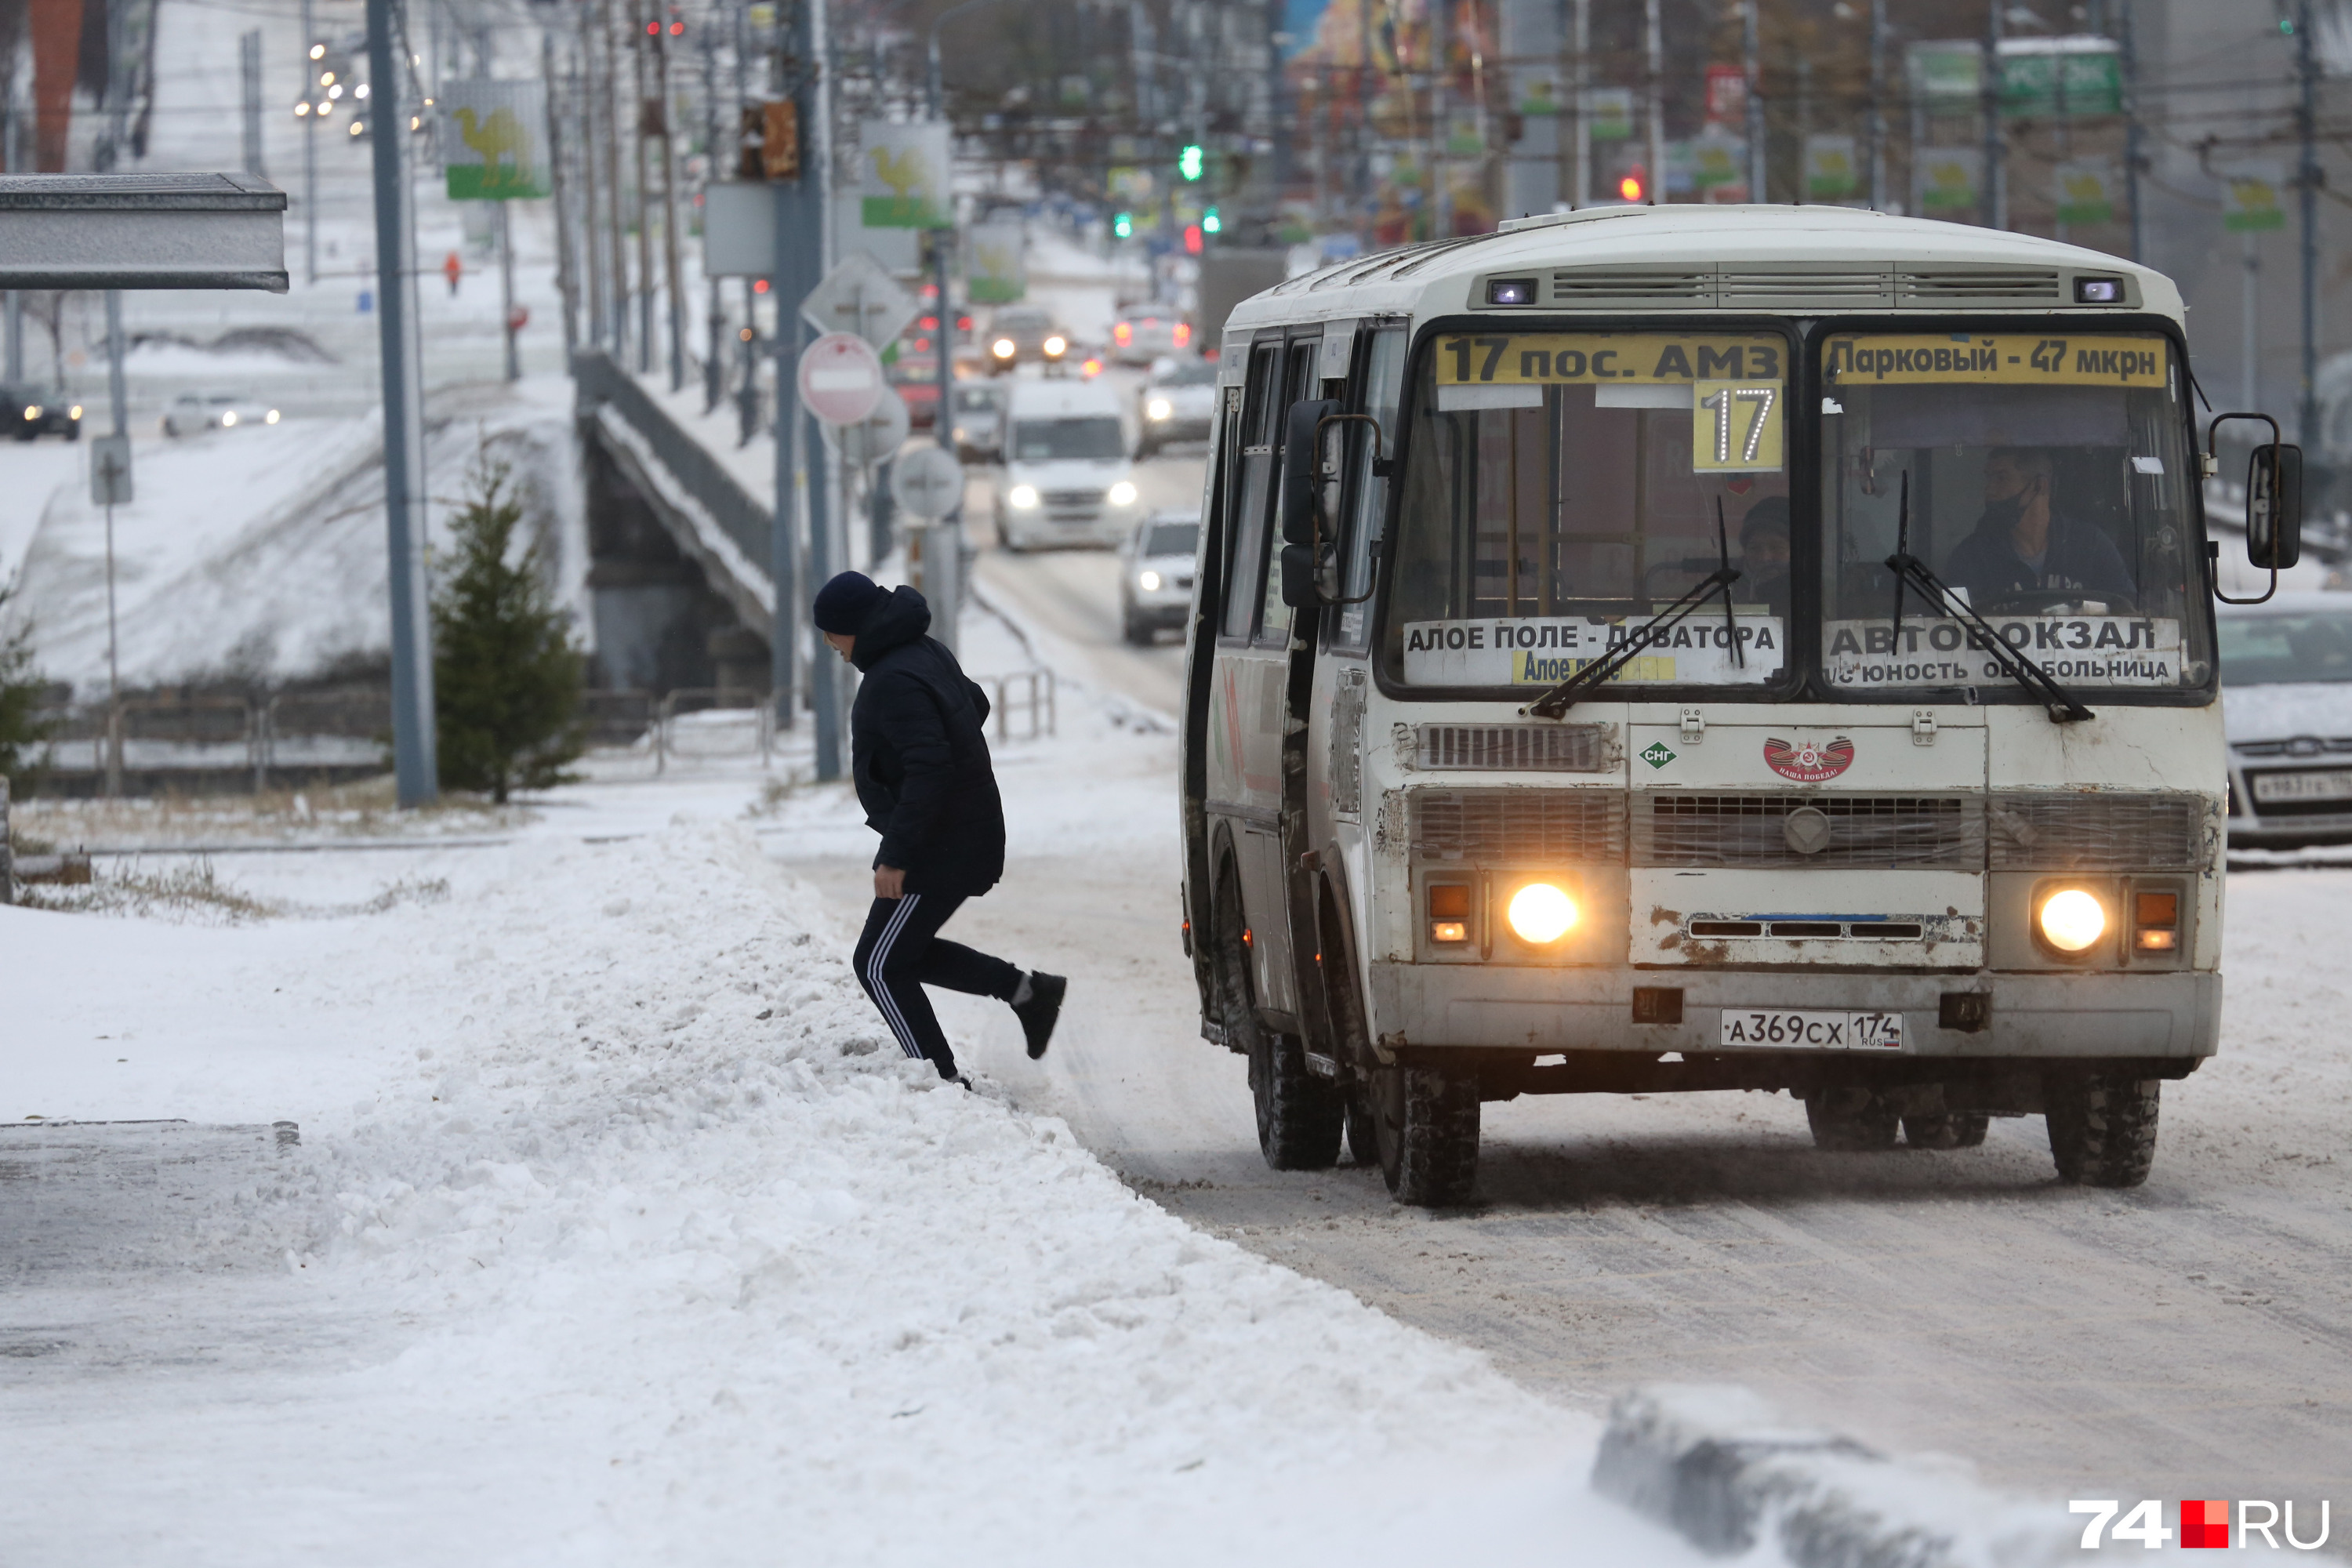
1654	58
2306	110
1751	67
1582	189
248	60
414	767
505	234
310	151
10	144
671	276
559	156
1993	200
1877	129
119	451
1441	117
618	236
2133	131
714	369
802	487
642	207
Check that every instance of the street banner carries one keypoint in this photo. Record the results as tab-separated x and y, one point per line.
1608	113
2250	197
903	175
2072	75
1832	173
994	273
494	137
2086	191
1949	180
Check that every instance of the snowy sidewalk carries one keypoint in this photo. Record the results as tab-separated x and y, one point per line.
616	1234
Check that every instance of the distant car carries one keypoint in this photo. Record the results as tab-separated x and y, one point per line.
1155	576
978	409
1067	477
1024	334
191	413
1146	333
1178	404
38	413
916	378
2286	708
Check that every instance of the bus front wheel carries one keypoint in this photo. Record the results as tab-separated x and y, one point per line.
1425	1128
2102	1128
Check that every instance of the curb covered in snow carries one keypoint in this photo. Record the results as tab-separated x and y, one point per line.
1720	1468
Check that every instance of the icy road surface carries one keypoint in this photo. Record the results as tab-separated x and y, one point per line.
2194	1333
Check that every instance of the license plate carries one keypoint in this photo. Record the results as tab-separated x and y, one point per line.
1813	1031
2336	786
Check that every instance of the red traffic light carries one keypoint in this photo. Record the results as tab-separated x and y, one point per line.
1632	186
677	29
760	286
1191	239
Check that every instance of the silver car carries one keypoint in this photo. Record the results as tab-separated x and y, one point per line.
2286	707
1178	404
191	413
1155	576
976	412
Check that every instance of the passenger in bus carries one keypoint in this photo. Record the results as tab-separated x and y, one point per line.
2024	554
1764	557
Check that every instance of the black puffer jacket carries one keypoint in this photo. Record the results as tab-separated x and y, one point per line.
919	753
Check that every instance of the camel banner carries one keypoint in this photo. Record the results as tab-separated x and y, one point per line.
904	175
493	140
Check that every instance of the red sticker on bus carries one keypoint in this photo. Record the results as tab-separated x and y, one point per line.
1809	762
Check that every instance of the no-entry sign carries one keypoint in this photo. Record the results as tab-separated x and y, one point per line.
840	378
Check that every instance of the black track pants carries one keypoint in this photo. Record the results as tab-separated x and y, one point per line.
900	952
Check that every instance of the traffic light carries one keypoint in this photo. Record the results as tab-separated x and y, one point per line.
1634	187
1191	239
1123	226
1210	223
1192	162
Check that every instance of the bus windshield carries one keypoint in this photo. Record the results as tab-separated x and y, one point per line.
1561	489
2048	477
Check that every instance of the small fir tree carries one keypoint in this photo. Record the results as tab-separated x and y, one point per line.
22	730
505	676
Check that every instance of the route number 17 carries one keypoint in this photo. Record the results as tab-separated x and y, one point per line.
1735	428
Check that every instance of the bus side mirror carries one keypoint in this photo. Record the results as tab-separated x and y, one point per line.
2274	506
1298	589
1299	467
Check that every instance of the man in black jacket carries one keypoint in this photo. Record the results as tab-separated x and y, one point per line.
919	756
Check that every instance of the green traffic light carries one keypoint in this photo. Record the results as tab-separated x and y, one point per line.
1210	223
1190	162
1123	226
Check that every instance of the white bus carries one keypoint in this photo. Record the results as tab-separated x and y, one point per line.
1659	649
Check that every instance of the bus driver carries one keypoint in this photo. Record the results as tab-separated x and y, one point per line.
2022	547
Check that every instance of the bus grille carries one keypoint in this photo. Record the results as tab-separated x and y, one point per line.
1513	748
2072	832
1524	826
1864	830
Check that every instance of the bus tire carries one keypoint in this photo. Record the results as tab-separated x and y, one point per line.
1299	1114
1851	1122
2102	1128
1425	1124
1363	1140
1948	1129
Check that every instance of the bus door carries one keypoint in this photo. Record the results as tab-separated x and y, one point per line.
1246	714
1337	806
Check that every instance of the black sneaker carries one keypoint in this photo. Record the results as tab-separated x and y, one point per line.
1037	1014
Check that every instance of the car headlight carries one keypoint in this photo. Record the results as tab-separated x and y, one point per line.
1159	408
1147	581
1002	348
1056	346
1023	495
75	412
1541	914
32	411
270	417
228	419
1122	494
2072	920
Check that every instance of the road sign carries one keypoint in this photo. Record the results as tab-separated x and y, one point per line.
859	298
109	470
927	483
875	437
840	378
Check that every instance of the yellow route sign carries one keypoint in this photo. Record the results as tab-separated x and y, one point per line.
1633	359
2008	359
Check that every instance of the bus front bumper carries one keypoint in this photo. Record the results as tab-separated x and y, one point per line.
2025	1017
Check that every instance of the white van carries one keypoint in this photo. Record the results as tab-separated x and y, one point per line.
1068	480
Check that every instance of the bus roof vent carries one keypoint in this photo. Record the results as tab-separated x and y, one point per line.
1634	286
1941	288
1805	288
1514	748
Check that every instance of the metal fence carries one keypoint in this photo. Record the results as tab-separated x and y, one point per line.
1036	705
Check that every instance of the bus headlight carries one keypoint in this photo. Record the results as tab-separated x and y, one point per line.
1147	581
1023	495
1540	914
1159	408
2071	919
1121	494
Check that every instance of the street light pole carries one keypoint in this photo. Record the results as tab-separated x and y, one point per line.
2307	69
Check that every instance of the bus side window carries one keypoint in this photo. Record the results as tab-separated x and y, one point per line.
1378	391
1251	479
1300	384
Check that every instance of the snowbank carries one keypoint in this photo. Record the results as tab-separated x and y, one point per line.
650	1249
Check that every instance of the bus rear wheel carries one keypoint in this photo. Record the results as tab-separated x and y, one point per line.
2102	1128
1425	1131
1299	1114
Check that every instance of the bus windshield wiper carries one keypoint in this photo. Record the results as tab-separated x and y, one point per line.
1908	569
1568	692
